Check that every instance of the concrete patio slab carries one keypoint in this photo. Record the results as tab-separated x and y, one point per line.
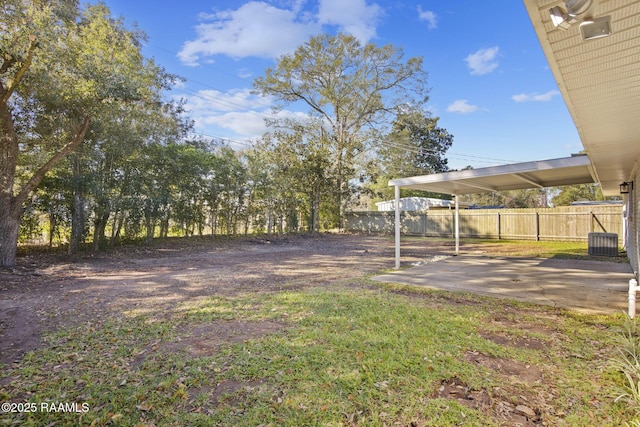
584	286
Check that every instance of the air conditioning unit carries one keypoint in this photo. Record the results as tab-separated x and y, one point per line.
603	244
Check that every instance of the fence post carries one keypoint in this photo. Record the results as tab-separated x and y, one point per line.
498	225
537	226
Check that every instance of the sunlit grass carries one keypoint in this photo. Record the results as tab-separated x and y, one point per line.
345	355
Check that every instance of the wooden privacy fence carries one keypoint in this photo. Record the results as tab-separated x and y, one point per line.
561	223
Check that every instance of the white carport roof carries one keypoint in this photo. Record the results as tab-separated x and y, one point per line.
544	173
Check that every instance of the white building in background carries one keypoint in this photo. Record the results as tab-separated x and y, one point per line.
415	204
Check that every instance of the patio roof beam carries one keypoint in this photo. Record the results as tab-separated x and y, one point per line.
529	180
479	187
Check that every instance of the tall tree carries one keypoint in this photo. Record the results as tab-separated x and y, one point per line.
60	67
353	88
416	145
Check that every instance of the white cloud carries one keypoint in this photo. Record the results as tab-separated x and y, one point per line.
254	29
233	100
223	109
483	61
238	110
535	96
462	106
429	16
245	73
248	124
262	30
352	16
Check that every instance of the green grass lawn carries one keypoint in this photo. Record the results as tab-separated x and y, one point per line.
349	354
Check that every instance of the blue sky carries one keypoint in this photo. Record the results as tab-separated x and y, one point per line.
490	83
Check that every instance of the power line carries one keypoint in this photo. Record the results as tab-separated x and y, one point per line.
418	150
222	138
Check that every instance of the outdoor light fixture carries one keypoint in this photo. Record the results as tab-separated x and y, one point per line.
596	28
625	187
560	18
563	18
577	7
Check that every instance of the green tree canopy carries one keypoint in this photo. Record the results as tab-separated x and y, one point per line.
61	68
525	198
415	146
576	193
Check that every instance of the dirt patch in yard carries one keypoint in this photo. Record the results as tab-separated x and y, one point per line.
49	291
512	369
205	340
514	341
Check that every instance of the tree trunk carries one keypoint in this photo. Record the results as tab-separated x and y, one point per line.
9	226
53	225
9	215
99	225
312	214
117	229
316	213
77	211
164	226
201	225
77	222
214	223
150	226
10	212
